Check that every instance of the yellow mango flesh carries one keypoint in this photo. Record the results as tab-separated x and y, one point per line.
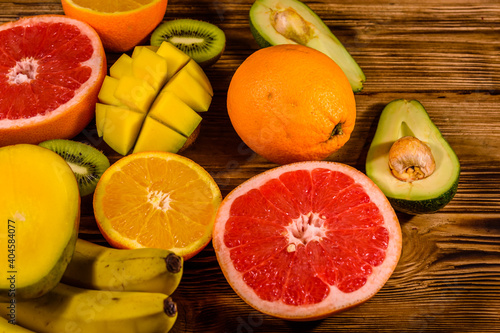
189	90
121	128
150	67
175	57
100	117
173	112
107	92
139	48
39	218
155	136
155	93
135	93
121	67
199	75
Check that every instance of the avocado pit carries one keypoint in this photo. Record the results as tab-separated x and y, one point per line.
292	25
411	159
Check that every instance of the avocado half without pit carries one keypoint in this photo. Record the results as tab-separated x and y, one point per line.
275	22
410	161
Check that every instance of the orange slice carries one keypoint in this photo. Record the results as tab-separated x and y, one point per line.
158	200
120	24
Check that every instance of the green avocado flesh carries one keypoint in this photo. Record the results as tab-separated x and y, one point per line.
275	22
402	118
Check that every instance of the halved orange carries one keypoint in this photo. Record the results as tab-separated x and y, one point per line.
120	24
159	200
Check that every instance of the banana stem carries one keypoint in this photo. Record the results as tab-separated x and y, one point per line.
170	307
174	263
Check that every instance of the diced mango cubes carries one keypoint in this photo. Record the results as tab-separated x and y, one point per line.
135	93
107	92
189	90
120	127
199	75
150	100
121	67
139	48
173	112
150	67
175	57
158	137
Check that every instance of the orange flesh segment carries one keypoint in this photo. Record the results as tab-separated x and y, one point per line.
337	234
112	6
158	203
45	68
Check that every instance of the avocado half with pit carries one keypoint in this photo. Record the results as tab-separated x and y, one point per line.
274	22
410	161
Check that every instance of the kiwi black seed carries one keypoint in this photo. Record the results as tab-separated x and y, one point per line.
202	41
87	163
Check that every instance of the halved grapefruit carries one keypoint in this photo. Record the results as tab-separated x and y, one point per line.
51	70
306	240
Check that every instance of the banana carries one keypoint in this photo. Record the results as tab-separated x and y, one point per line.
71	309
98	267
6	327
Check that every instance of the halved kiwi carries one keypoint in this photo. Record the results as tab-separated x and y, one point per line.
202	41
87	163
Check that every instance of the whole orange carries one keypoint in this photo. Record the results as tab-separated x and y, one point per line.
291	103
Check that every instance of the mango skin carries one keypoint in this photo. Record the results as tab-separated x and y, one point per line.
14	157
46	284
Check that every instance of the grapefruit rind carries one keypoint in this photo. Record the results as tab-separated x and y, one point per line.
336	300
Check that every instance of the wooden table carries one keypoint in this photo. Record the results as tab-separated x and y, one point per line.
446	54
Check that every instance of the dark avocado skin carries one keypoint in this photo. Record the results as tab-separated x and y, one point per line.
424	206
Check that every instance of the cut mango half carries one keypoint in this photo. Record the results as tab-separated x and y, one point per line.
40	215
151	100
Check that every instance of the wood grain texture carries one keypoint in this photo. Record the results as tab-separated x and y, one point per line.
445	53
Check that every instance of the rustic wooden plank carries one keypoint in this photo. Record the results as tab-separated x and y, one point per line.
448	275
443	53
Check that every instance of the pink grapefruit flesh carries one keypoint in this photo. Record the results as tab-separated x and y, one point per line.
51	70
306	240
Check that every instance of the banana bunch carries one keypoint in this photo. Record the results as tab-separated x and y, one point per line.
103	268
6	327
106	290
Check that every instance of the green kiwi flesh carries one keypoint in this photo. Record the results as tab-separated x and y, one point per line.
202	41
87	163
